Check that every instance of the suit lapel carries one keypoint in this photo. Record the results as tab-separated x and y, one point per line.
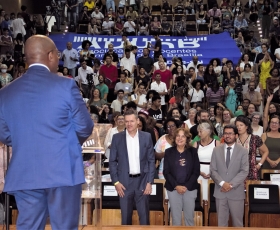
141	145
223	155
125	145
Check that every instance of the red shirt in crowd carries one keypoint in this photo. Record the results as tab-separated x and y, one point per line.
110	72
166	76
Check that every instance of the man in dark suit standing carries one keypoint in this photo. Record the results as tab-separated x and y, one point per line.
132	167
229	168
45	120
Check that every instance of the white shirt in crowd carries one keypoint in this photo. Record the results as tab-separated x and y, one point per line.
161	87
157	66
128	27
191	64
128	63
277	51
18	27
132	144
98	15
107	26
82	74
196	96
117	105
67	62
142	100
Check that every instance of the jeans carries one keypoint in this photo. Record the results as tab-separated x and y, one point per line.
110	3
74	17
58	19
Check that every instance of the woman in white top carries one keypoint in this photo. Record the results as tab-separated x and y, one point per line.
165	142
257	129
108	139
190	122
160	58
196	94
245	60
216	62
205	147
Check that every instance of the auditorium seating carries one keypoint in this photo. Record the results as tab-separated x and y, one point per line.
262	207
265	173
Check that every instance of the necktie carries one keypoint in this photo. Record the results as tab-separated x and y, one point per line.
228	156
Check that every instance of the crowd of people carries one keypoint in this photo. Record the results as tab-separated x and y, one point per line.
191	108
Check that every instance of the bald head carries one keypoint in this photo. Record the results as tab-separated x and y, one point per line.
41	49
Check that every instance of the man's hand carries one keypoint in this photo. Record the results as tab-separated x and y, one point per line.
148	189
119	187
226	187
204	175
181	189
273	164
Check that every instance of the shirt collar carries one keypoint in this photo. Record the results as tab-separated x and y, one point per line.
136	135
232	147
39	64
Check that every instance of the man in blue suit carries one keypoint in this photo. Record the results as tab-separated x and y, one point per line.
45	120
132	167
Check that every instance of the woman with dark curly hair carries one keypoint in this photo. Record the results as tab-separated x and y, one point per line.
87	54
165	142
253	144
216	63
196	94
209	75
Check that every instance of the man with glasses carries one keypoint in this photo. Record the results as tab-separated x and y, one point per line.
229	168
46	134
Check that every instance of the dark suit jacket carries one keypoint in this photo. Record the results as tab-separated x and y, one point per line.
119	165
44	118
169	169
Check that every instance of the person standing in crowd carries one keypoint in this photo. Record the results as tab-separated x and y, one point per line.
140	97
267	11
205	147
196	94
70	56
119	102
103	88
256	127
44	193
231	96
83	72
200	115
157	48
254	96
132	168
18	26
266	64
115	57
271	139
165	142
229	168
166	75
110	74
71	6
161	88
127	62
145	62
181	170
253	144
226	117
194	63
190	122
125	86
155	112
5	78
6	42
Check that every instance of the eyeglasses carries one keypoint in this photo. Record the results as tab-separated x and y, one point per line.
274	123
256	118
120	119
226	114
171	126
58	53
228	134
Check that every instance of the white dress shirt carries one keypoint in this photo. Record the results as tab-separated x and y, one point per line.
128	63
67	62
133	151
225	153
82	74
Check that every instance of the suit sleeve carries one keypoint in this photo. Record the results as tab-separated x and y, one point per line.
151	159
243	172
113	160
196	169
5	135
213	168
80	116
167	168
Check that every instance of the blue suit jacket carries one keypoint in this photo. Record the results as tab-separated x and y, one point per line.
119	165
45	120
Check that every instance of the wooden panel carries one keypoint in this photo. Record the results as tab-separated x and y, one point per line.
111	217
156	218
264	220
213	219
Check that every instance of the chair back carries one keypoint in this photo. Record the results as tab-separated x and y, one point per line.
265	173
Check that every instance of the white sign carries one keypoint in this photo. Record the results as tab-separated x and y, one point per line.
154	190
110	190
275	178
261	193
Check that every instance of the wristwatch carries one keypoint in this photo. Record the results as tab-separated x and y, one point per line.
260	164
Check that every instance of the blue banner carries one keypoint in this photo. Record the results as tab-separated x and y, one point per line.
205	47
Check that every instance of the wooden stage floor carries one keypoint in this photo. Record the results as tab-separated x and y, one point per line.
134	227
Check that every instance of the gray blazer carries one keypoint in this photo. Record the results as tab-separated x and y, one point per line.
235	174
119	165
